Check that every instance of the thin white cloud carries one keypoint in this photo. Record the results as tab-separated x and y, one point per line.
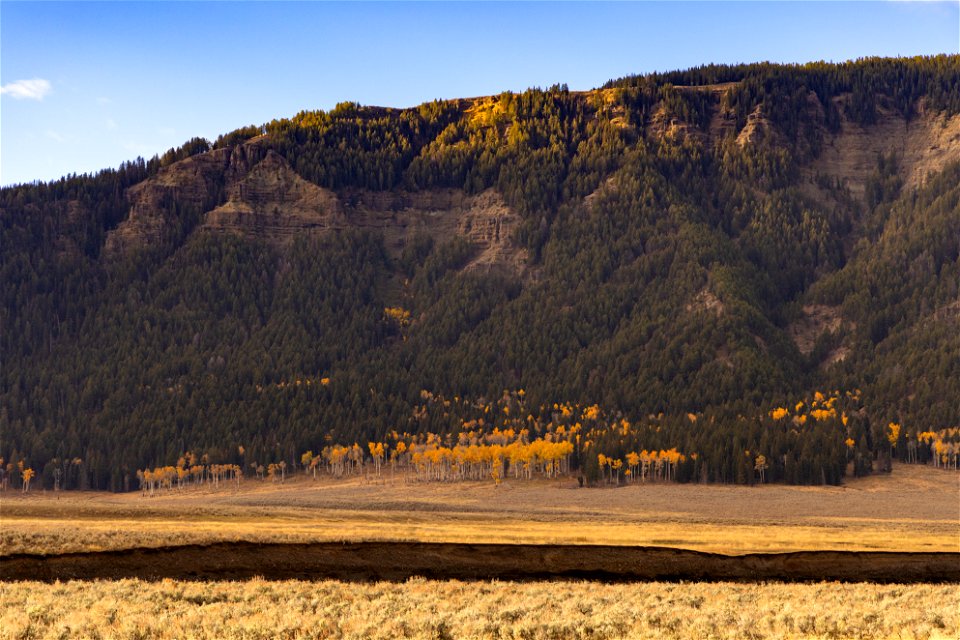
137	147
34	89
55	136
111	124
104	100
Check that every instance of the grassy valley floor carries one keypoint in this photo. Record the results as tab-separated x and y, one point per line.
913	509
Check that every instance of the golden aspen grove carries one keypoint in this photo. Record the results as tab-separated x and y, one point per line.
504	440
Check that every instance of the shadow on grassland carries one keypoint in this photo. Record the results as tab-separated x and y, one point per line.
371	561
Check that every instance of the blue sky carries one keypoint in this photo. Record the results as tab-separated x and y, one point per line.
87	85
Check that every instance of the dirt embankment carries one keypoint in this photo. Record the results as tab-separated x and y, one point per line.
367	561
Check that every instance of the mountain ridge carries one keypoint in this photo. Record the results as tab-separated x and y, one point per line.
649	246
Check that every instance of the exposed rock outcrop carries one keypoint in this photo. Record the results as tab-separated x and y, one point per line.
483	219
707	301
759	131
275	204
195	184
817	320
665	125
252	191
923	145
490	225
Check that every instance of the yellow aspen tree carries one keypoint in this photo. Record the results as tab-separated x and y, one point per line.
28	474
659	462
633	459
306	461
181	475
760	464
377	453
779	413
893	433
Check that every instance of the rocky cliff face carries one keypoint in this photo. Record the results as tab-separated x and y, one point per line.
759	132
195	184
273	203
483	219
922	145
253	192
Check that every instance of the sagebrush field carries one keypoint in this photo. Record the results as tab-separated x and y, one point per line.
428	609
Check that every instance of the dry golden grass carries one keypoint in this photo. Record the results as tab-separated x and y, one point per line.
429	609
914	509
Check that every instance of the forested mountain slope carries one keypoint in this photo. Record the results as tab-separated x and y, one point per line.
714	242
